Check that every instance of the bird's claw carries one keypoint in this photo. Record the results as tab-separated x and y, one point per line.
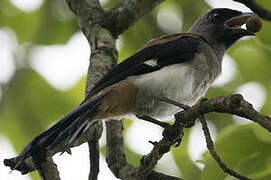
154	121
186	124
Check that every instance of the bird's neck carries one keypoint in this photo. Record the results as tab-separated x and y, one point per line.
219	49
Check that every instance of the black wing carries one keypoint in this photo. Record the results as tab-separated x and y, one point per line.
166	50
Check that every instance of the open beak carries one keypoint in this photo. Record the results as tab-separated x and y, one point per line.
237	22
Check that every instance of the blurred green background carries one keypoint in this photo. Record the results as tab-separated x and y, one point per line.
43	62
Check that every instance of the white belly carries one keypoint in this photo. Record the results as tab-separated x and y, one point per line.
175	82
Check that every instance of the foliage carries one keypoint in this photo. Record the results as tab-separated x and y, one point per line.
29	104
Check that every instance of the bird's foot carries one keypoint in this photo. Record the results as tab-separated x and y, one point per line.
183	122
154	121
169	132
177	116
174	134
175	103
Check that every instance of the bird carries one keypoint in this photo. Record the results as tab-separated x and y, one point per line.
177	66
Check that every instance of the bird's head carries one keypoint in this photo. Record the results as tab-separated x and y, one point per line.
222	27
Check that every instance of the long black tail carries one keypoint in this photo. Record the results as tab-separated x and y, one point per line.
71	126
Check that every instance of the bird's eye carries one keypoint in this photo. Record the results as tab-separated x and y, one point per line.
214	16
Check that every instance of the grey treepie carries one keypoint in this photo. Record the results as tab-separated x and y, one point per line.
178	66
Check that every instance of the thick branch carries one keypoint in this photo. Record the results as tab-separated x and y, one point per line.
127	13
103	59
87	12
46	167
94	156
260	11
234	104
115	153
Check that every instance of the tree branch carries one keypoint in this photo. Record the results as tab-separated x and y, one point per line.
233	104
171	136
115	153
260	11
94	157
46	167
116	158
127	13
103	59
160	176
210	146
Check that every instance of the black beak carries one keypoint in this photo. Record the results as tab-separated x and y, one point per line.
236	22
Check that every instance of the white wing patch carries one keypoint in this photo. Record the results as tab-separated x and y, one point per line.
152	62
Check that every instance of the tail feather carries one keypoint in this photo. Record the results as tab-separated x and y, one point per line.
70	126
77	134
73	134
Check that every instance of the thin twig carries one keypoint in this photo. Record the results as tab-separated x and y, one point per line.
210	146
